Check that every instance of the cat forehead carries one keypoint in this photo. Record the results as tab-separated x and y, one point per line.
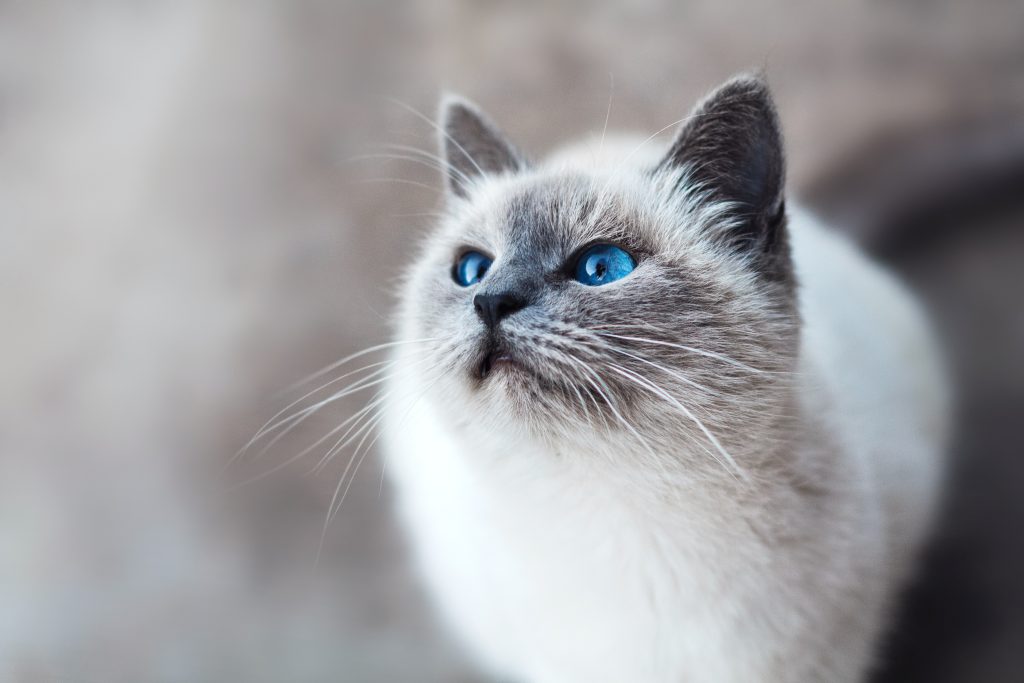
559	209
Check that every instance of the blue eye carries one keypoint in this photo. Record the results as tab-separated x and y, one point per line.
470	268
603	263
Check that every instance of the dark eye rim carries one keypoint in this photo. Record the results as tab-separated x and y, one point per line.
459	254
568	269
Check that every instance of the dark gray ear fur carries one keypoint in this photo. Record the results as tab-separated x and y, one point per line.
732	146
473	146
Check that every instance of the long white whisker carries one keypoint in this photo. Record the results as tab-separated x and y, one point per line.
348	437
306	451
650	386
355	454
611	405
401	181
441	164
419	214
559	357
312	410
337	489
401	157
608	113
690	349
345	439
442	131
681	378
335	504
301	416
401	421
669	333
357	459
272	424
416	156
579	396
358	354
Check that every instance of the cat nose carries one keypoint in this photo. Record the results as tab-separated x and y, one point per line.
493	307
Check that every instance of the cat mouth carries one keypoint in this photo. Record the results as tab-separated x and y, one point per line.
495	358
499	363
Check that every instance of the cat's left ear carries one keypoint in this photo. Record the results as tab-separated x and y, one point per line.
473	146
731	147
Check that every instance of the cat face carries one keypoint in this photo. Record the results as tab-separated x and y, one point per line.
650	298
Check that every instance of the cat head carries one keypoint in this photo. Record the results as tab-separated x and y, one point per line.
648	296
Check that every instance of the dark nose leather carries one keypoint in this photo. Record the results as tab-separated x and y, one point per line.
493	307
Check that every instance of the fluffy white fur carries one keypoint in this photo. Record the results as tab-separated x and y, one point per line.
556	558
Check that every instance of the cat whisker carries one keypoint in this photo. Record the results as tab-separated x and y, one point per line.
342	489
339	445
608	112
440	163
561	357
401	181
689	349
294	420
418	214
567	380
309	449
358	354
345	439
363	434
606	394
416	156
680	377
369	446
668	333
442	131
398	157
272	424
370	413
579	395
654	388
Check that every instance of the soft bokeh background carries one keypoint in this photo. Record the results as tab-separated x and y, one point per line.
185	231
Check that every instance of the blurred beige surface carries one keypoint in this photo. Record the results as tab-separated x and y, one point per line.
184	232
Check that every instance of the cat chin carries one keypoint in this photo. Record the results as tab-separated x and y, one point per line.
516	385
514	400
497	365
508	387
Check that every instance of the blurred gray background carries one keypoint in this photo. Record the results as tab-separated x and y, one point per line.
185	230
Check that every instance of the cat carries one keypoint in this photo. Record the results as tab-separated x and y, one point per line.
651	423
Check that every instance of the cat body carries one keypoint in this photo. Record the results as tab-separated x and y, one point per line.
718	468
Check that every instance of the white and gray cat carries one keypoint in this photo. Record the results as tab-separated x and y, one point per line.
651	424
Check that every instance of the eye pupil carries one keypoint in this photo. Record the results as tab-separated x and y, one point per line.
603	263
470	268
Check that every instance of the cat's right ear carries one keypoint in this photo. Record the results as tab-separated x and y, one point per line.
731	147
473	146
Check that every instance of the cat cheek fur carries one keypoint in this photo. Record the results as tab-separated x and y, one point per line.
706	471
